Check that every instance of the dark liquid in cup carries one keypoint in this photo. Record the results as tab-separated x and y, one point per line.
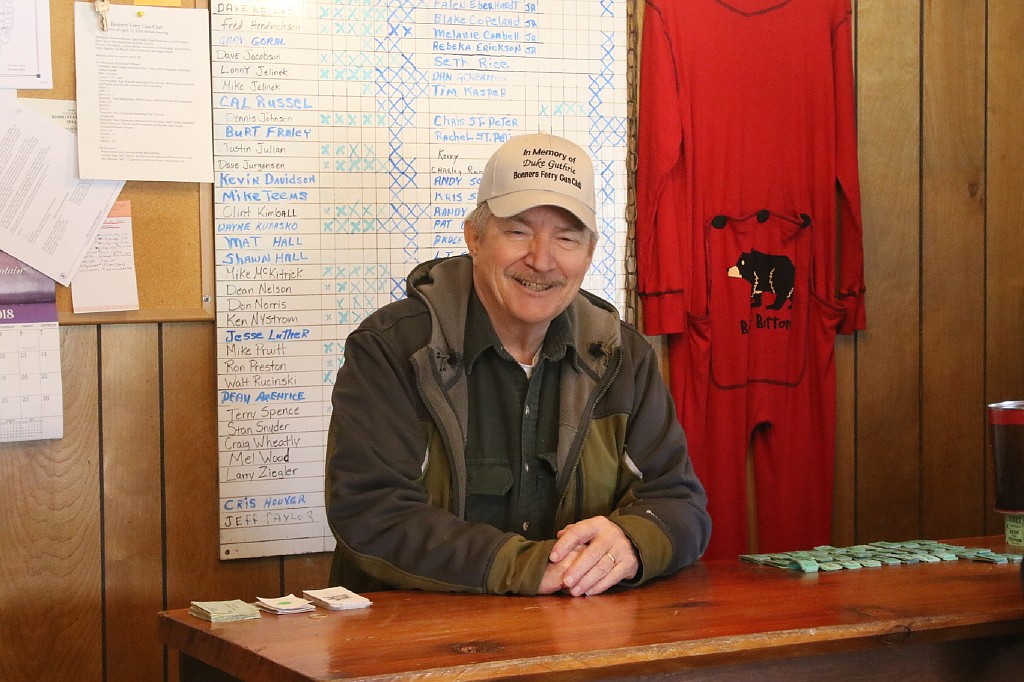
1008	461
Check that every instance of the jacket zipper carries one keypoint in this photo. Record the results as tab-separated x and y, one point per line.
434	389
588	416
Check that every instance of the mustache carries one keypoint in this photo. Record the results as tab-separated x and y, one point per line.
532	278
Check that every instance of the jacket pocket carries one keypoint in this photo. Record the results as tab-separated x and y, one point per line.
488	483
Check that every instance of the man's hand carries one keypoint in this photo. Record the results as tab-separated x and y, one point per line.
554	574
590	557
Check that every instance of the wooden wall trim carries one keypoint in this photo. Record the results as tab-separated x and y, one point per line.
132	471
1004	220
888	372
952	268
51	572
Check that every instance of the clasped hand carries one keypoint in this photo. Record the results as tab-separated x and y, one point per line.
589	557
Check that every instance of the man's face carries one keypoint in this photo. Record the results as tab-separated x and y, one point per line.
528	268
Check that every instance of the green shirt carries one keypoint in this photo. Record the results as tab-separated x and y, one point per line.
513	429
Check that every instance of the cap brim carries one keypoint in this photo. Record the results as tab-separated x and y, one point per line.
513	203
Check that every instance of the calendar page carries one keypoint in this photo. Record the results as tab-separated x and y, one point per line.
31	402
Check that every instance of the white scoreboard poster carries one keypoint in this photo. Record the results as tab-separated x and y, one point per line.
349	136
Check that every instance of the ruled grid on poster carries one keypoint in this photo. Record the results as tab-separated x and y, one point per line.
349	137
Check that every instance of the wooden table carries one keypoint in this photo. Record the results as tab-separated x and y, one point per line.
724	620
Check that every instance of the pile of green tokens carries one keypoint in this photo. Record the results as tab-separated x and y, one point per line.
876	554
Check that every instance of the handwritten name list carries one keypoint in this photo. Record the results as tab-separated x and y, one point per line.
349	139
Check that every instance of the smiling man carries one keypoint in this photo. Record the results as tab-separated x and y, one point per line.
500	430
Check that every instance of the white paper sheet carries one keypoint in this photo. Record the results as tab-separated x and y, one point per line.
48	215
106	280
63	112
144	96
25	45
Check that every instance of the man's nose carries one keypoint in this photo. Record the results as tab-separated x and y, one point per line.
539	256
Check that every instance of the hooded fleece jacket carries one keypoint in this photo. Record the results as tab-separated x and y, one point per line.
396	474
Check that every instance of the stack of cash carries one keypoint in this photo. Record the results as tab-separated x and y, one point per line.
283	605
223	611
336	598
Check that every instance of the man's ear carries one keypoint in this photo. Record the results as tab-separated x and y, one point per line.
469	233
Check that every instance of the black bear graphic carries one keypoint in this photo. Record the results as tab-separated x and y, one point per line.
766	272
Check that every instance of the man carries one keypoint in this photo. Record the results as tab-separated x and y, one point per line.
500	430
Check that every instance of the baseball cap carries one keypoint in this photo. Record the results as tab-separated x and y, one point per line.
539	169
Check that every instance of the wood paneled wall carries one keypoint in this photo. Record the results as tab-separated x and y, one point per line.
118	520
940	111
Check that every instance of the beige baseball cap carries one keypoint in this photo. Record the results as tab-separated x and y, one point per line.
539	169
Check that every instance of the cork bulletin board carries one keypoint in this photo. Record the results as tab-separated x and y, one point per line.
171	221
